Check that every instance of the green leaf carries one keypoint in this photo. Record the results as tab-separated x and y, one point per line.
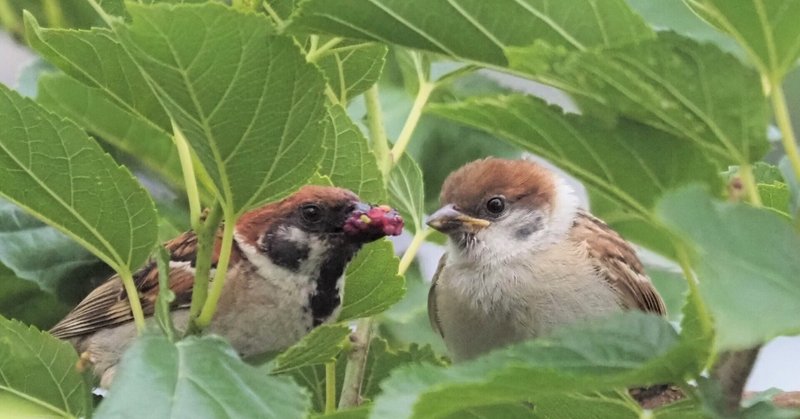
98	114
24	301
372	284
600	157
96	59
407	321
323	344
352	67
767	30
793	182
40	369
45	256
382	360
675	15
197	378
629	349
476	30
695	92
256	127
505	410
407	193
565	406
52	169
746	261
775	196
348	160
672	288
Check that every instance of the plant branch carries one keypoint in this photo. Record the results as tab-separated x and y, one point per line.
210	306
330	387
731	371
377	132
317	53
423	94
785	125
412	250
356	364
133	298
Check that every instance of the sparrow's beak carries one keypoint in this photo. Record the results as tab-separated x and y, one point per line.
448	219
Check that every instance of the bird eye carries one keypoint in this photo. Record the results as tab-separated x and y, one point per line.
496	205
311	213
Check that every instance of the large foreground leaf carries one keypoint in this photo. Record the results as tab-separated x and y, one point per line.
97	113
693	91
39	369
348	159
51	168
630	165
372	284
256	126
197	378
747	261
626	350
767	30
476	30
352	67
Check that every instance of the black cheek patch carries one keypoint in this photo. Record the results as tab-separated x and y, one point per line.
327	296
523	232
286	254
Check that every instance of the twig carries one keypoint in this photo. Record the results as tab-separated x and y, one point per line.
356	363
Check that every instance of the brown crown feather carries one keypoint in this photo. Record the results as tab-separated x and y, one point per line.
519	180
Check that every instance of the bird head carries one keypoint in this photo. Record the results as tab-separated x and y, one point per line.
496	208
309	224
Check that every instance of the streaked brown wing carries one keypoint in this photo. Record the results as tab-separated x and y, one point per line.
433	313
107	305
616	260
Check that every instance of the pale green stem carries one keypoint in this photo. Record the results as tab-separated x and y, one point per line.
206	238
749	182
274	15
8	18
423	94
108	19
330	387
785	125
331	95
356	364
315	54
133	298
210	307
412	250
53	13
694	293
189	178
377	133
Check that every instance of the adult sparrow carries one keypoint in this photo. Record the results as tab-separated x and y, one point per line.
523	259
284	278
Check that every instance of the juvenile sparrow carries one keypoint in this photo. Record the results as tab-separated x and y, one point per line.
284	278
523	259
